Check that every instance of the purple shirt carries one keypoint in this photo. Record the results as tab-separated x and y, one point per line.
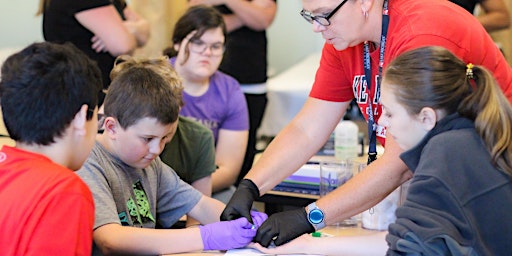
222	106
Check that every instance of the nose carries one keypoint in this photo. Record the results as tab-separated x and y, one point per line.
317	27
207	51
156	147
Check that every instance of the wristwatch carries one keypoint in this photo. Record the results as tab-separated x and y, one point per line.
315	216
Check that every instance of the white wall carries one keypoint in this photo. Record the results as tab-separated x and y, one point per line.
18	24
290	37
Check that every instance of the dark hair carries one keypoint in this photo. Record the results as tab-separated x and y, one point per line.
43	87
200	18
434	77
143	88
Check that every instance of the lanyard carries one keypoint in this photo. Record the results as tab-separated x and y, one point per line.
372	127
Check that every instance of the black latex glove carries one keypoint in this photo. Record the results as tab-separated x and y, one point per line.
240	203
283	226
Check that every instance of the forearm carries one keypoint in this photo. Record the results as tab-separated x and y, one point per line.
225	176
116	239
367	188
495	15
207	210
257	15
296	143
494	21
203	185
229	157
138	26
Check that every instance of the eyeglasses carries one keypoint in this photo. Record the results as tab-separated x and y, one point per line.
321	19
198	46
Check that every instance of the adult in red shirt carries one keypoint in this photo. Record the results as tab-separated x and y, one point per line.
49	104
346	25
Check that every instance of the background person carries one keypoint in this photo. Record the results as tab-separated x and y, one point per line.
49	106
245	57
102	29
346	25
191	154
133	189
434	105
211	97
495	13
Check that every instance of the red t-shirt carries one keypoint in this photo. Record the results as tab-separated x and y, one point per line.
46	208
413	24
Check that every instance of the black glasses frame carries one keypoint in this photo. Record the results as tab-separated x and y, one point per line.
321	19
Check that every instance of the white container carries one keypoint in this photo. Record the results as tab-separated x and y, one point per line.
346	144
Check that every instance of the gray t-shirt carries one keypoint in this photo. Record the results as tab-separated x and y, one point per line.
129	196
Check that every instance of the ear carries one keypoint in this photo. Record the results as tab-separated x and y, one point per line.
111	127
428	118
80	120
176	47
366	5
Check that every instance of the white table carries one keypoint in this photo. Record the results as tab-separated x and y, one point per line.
287	92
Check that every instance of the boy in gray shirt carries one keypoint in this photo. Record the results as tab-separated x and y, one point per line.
133	189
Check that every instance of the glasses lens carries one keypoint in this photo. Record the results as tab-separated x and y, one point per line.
199	46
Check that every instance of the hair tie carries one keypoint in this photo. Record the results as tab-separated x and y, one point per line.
469	71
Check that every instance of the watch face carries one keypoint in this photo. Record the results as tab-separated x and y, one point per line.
316	216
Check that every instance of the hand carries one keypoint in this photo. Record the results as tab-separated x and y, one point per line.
240	203
98	45
283	226
258	218
299	245
225	235
181	56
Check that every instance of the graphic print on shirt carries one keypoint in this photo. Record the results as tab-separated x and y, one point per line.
139	209
210	124
360	90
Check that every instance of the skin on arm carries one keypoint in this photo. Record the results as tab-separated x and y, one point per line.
256	14
374	244
106	24
203	185
116	239
138	26
302	138
297	142
229	156
495	16
367	188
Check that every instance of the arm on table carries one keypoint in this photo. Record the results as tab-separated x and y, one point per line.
374	244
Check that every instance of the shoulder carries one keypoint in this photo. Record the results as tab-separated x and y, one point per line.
189	126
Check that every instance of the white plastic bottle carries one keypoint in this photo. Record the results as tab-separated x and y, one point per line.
346	145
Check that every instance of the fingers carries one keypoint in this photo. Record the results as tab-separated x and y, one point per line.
258	218
97	44
266	233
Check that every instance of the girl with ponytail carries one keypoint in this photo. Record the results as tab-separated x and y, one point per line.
455	126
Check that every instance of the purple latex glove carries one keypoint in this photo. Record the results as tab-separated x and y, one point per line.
225	235
258	218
